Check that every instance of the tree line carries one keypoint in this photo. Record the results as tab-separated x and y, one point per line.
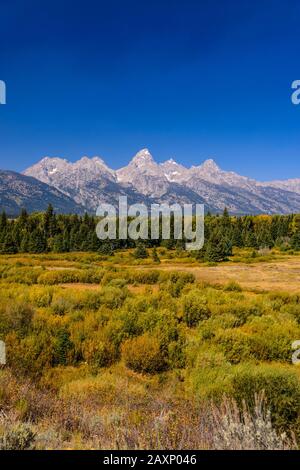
49	232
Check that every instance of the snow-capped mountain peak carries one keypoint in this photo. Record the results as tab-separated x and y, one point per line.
81	180
94	164
53	159
142	163
211	172
173	171
210	165
143	157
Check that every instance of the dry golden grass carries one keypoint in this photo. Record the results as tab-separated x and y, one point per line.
267	276
80	286
143	288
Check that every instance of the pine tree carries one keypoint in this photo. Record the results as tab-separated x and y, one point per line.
62	347
9	245
23	219
49	222
58	244
155	256
295	241
37	242
219	246
66	241
250	240
3	221
24	244
225	220
106	248
169	244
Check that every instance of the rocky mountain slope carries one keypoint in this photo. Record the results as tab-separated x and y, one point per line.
288	185
90	181
19	191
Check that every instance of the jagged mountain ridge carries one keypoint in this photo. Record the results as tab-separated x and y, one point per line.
90	181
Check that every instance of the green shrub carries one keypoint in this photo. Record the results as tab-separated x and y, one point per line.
175	276
263	338
235	344
29	356
243	311
68	300
210	372
41	296
272	337
281	386
195	308
233	286
113	297
22	275
98	352
61	305
66	276
143	277
117	282
293	310
17	437
16	316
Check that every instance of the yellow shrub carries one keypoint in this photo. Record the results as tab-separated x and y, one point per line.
143	354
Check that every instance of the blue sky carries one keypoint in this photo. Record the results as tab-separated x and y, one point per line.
187	79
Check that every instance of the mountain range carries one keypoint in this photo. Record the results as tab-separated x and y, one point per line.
81	186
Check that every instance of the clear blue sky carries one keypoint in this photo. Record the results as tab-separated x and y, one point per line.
187	79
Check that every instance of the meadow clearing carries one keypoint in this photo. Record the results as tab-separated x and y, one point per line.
114	352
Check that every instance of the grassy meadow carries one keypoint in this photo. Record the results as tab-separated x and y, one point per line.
114	352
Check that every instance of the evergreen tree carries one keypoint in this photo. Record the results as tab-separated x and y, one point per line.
225	220
66	241
295	241
37	242
250	240
155	256
49	222
63	347
23	219
3	221
58	244
140	252
218	248
106	248
237	239
9	245
24	244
